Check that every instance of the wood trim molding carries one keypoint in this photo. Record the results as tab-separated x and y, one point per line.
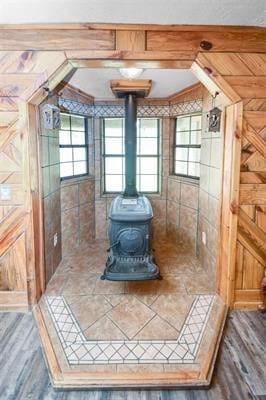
68	91
15	225
196	87
134	85
130	27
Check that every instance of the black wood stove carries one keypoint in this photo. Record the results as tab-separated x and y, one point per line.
130	254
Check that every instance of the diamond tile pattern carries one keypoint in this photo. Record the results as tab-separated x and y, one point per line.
124	315
117	110
78	350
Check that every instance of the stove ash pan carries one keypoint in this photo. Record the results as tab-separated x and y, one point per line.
130	254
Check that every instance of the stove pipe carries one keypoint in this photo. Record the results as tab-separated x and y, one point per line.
130	145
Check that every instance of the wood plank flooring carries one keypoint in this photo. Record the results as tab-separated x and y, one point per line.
240	372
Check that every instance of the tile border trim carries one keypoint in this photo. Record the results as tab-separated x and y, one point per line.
78	350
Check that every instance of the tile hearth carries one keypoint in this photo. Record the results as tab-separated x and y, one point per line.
80	350
161	327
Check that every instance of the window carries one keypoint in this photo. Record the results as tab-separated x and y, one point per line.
113	153
148	146
187	146
73	142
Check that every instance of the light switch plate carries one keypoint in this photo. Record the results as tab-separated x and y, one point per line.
5	193
204	238
55	239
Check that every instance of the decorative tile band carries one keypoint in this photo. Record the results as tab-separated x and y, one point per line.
79	350
117	110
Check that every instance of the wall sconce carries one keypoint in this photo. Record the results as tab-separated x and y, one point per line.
131	73
214	116
50	117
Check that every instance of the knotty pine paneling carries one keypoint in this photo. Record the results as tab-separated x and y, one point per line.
13	275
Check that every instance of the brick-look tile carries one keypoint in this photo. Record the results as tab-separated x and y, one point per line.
70	220
204	202
54	177
45	181
69	196
173	213
215	182
205	151
44	151
173	190
214	211
86	191
216	148
189	195
188	219
53	150
204	177
100	219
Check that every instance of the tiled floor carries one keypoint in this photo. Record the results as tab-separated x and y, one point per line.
153	323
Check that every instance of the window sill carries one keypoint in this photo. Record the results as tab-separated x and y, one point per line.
71	181
192	181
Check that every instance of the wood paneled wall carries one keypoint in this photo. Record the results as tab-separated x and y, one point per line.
35	56
246	75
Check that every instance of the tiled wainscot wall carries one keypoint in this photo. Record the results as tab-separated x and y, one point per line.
49	140
182	210
77	213
210	186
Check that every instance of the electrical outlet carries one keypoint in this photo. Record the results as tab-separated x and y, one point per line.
55	239
204	238
5	193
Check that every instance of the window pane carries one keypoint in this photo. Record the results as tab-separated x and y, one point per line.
181	167
113	183
148	146
65	154
195	137
66	169
78	137
196	122
77	123
80	167
79	154
113	165
113	146
65	121
182	124
181	153
194	154
182	138
113	127
148	183
148	127
148	165
193	169
64	137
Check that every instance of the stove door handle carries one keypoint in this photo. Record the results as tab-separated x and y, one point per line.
113	245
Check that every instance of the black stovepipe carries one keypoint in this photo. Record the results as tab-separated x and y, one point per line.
130	145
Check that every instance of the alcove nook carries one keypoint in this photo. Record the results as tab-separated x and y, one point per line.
131	333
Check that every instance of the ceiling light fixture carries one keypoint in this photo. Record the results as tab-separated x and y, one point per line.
131	73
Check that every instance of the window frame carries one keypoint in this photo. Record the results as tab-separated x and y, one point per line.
71	146
186	146
158	155
104	156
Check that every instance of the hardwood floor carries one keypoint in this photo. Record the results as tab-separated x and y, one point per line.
239	375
